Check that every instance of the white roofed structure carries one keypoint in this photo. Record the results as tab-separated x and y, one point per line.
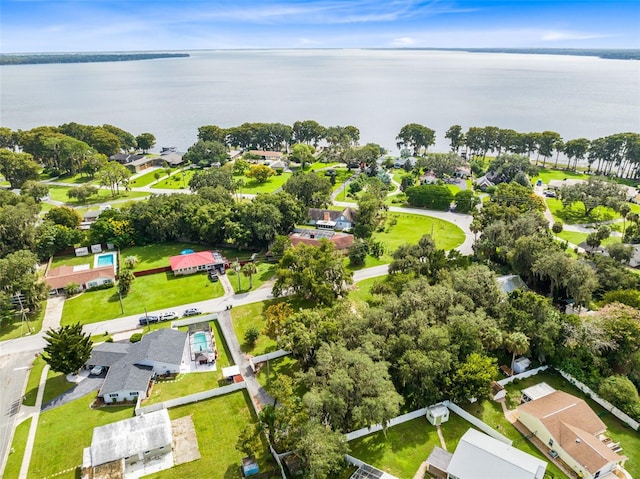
479	455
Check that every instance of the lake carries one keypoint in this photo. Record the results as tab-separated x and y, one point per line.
377	91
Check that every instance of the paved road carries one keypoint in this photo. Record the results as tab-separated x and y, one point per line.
13	376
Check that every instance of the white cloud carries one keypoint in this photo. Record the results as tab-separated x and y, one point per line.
403	42
561	36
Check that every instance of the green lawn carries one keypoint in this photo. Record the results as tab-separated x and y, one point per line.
191	383
218	423
156	291
56	385
406	445
577	238
361	291
396	200
491	413
266	271
453	189
72	260
45	207
342	176
575	213
252	315
17	329
369	262
318	165
178	181
59	193
547	174
251	186
63	432
616	430
410	228
14	461
148	178
286	365
78	179
33	382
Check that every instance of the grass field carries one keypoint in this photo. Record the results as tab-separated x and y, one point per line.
56	385
148	178
369	262
318	165
63	432
251	186
33	382
410	228
218	423
178	181
59	193
491	413
286	365
575	213
72	260
577	238
252	315
191	383
616	430
547	174
14	461
17	329
266	271
156	291
342	176
361	290
405	446
78	179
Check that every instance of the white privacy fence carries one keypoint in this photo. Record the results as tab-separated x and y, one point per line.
524	375
201	396
484	427
393	422
266	357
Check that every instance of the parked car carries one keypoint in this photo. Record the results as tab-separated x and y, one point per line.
168	316
148	319
192	312
213	276
96	371
550	193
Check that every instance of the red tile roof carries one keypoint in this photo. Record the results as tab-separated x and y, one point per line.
63	275
191	260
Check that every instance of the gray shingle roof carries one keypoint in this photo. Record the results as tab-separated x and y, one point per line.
124	376
107	354
165	345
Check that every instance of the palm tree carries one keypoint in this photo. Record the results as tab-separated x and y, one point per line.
624	210
131	261
516	343
249	269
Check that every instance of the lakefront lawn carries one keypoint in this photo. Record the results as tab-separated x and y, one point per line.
409	228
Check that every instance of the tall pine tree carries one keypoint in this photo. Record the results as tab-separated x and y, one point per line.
68	348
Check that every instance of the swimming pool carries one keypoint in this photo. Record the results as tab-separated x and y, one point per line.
105	260
200	342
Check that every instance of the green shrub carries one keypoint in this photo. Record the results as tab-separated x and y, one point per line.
135	337
251	336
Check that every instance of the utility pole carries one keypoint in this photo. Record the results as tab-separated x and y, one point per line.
23	315
237	268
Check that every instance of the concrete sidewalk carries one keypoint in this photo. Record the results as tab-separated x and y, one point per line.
35	416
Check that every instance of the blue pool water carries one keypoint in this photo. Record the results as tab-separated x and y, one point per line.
105	260
200	342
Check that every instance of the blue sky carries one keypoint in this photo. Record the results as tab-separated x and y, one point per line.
114	25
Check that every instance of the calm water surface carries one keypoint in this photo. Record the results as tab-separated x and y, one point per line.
377	91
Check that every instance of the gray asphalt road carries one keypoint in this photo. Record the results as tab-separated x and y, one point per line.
13	377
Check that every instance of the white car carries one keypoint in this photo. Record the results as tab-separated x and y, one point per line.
168	316
192	312
96	371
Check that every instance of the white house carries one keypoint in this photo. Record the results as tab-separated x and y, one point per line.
82	275
121	446
194	262
568	426
331	219
131	367
480	456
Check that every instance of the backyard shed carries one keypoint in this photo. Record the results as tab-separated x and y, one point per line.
437	414
520	365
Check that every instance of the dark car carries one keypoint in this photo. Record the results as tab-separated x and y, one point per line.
213	276
148	319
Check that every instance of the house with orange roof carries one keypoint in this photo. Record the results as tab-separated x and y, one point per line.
573	433
86	278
